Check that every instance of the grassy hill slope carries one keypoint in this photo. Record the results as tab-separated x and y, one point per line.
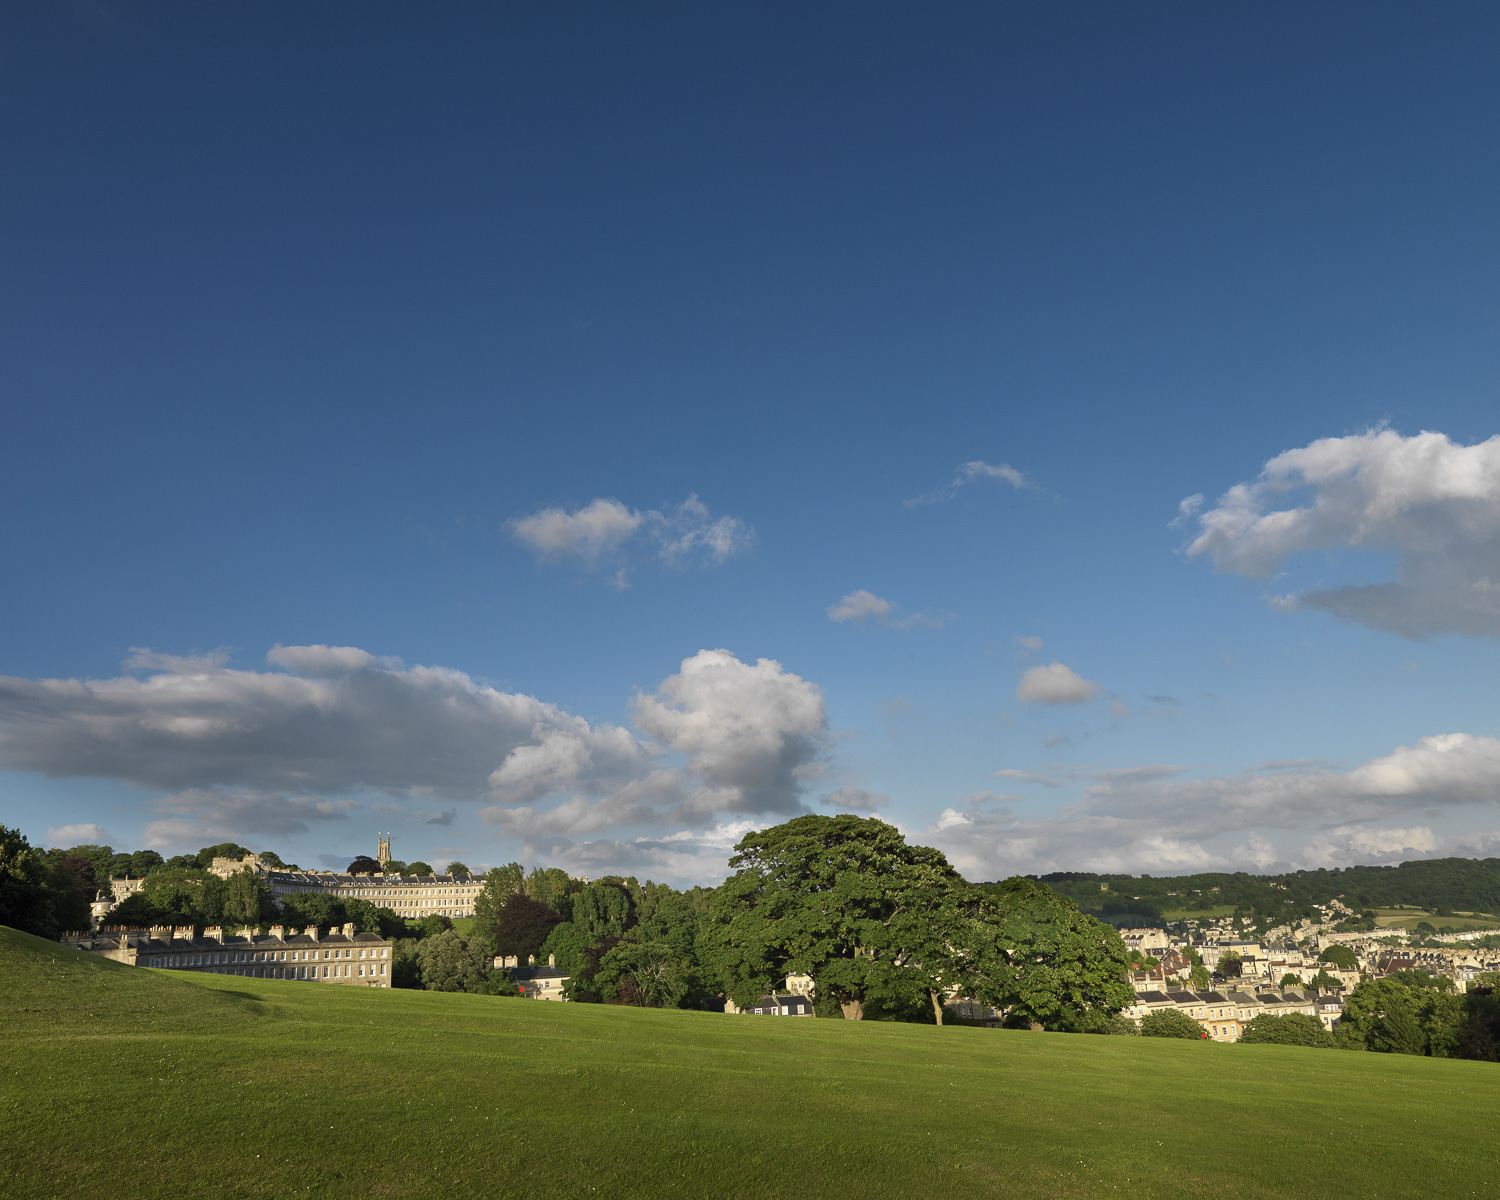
129	1082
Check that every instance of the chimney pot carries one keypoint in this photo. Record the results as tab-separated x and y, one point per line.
552	960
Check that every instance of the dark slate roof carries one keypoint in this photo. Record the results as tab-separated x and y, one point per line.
1152	998
1177	996
1213	997
526	974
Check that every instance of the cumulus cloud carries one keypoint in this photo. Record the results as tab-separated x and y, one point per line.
1055	683
86	834
855	799
192	816
973	472
1433	502
346	725
1159	818
751	734
605	530
234	753
861	606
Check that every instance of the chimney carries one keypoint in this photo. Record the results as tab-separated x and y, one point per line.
214	934
348	931
552	960
530	962
312	932
185	932
278	932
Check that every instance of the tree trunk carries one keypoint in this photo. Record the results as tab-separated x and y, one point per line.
937	1004
854	1010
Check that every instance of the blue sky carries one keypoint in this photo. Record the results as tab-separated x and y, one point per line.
430	420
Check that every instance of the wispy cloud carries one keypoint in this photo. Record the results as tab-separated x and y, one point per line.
974	472
859	607
607	534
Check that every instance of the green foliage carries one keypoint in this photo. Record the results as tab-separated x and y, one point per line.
521	927
458	868
604	908
1340	956
395	867
1322	982
27	889
1290	1029
1290	980
450	962
645	974
419	868
1169	1023
823	896
568	944
364	865
1199	977
430	926
554	888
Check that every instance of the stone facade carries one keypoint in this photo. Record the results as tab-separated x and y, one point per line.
344	957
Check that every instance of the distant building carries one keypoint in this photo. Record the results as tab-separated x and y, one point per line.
346	957
536	982
788	1005
409	896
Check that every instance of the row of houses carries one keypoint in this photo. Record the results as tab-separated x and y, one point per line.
342	957
1224	1014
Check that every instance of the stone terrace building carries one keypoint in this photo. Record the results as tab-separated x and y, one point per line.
344	957
1224	1016
410	896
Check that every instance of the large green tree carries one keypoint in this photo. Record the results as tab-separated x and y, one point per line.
830	897
521	927
1340	956
1066	969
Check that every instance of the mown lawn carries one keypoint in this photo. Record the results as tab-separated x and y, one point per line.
120	1081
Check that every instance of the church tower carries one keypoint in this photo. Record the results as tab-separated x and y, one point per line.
383	855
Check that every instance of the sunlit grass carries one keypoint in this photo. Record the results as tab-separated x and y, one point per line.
125	1082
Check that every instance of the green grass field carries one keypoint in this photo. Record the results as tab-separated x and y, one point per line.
1407	917
118	1081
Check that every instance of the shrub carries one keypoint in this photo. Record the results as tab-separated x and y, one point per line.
1170	1023
1293	1029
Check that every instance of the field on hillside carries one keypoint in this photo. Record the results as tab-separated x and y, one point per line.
121	1081
1407	917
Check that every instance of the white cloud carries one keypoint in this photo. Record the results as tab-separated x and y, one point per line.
598	528
1158	818
602	530
684	857
1054	684
856	799
234	753
1432	501
194	816
860	606
1028	645
750	733
321	661
86	834
971	472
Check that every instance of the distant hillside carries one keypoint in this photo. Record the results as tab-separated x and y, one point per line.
1457	884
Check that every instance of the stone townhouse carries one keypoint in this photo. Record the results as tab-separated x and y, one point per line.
342	957
1224	1015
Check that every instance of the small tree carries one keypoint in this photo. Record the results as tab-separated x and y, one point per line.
458	868
1290	981
419	868
1340	956
1169	1023
364	865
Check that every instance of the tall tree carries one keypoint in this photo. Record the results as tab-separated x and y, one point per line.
364	865
822	896
26	889
521	926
